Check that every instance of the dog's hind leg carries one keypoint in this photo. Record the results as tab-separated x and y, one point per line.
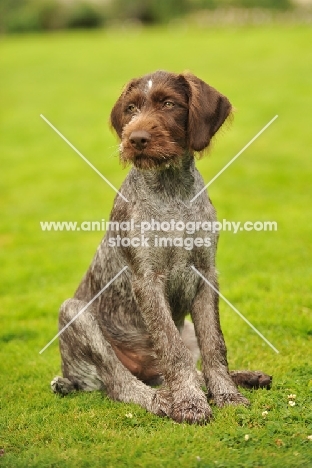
90	363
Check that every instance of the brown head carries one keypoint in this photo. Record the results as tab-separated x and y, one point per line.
162	116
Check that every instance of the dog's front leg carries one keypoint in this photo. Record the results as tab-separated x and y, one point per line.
182	393
205	315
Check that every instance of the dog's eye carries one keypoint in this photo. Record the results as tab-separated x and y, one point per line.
132	108
168	104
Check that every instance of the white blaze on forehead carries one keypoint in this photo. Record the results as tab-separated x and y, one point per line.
148	86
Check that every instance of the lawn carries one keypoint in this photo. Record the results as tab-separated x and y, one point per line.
73	79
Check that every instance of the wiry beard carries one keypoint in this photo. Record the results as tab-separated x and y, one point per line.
145	162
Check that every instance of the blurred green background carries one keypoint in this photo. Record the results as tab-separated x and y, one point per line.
263	64
37	15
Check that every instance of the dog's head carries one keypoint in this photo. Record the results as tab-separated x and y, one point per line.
161	116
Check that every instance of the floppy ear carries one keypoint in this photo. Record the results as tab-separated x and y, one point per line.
117	115
208	109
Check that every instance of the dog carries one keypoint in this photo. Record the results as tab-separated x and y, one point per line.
133	341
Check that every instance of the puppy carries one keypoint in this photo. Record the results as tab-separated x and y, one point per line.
148	272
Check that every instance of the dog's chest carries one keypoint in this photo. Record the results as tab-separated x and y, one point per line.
163	229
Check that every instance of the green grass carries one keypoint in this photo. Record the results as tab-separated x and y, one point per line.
74	79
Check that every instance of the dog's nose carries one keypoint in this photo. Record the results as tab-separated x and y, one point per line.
139	139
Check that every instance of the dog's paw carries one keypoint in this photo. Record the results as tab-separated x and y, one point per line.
193	409
162	402
61	385
223	399
251	379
